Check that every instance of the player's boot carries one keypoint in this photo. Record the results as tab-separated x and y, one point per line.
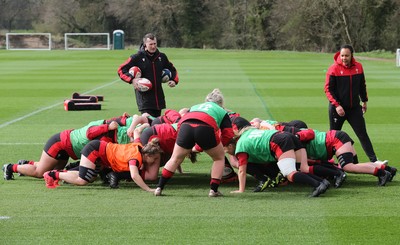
113	180
214	194
51	183
321	189
158	191
8	175
393	172
383	179
339	179
262	184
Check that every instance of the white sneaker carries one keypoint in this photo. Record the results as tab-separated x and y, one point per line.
214	194
385	162
158	191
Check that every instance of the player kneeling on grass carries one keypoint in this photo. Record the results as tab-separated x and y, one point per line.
60	147
139	160
273	147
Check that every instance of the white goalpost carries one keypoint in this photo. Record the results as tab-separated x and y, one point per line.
28	41
87	41
398	57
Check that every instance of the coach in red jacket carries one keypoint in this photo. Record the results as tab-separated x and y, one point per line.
151	63
346	91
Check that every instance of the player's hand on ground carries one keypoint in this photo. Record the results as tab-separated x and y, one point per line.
236	191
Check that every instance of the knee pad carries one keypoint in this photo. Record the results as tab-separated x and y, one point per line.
345	159
87	174
287	165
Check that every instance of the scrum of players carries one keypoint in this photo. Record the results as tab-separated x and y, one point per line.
134	148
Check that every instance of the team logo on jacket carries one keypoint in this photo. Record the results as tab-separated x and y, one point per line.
159	58
143	59
357	70
341	72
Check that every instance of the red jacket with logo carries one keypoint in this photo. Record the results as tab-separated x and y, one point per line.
345	85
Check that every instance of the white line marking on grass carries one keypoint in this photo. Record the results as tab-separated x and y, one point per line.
19	143
52	106
4	217
264	103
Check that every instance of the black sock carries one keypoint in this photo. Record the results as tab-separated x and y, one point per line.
322	171
380	172
317	178
214	184
303	178
165	176
162	182
10	167
387	168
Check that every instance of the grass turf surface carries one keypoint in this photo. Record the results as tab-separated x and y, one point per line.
270	85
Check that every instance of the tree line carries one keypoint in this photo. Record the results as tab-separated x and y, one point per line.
300	25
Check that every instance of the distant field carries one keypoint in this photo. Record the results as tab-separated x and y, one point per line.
269	85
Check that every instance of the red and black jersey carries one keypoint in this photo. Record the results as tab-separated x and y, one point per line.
170	116
345	85
151	67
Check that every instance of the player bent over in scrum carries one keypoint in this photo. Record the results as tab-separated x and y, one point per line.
272	147
139	160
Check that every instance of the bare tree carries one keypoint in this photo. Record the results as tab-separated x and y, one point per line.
17	14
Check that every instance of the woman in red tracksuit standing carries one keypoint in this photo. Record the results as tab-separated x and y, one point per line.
345	86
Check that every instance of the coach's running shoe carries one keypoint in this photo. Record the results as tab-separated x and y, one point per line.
158	191
321	189
113	180
263	184
8	174
383	179
51	183
339	179
393	172
214	194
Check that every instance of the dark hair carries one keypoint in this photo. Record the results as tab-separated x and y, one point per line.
149	36
348	46
240	123
295	123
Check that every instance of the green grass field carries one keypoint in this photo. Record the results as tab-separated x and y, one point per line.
270	85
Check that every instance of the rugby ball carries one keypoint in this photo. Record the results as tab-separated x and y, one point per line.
135	72
166	75
228	172
143	84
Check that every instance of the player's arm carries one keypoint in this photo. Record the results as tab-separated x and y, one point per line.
135	175
136	120
95	131
242	158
